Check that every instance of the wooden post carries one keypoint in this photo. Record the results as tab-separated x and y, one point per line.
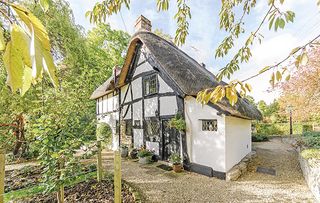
99	162
2	174
60	193
117	176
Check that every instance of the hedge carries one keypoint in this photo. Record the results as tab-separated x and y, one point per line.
281	128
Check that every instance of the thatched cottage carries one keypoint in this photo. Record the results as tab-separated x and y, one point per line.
157	81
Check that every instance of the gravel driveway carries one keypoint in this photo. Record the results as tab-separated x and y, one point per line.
287	186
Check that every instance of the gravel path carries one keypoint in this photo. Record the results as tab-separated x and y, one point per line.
287	186
19	166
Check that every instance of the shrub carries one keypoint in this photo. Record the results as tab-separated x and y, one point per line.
178	123
312	139
259	138
144	153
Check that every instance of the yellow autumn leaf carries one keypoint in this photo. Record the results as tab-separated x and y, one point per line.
21	42
288	77
27	80
264	69
14	66
2	41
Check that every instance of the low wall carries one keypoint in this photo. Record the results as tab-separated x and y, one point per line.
310	169
236	171
311	173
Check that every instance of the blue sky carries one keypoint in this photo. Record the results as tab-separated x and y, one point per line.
205	36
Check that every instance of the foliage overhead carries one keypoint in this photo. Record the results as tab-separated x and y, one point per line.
233	25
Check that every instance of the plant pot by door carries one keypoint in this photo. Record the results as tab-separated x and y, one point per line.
124	152
145	160
177	168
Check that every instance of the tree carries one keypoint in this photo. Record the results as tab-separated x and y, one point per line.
302	91
59	122
233	25
272	112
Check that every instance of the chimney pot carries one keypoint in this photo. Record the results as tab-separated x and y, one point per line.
142	23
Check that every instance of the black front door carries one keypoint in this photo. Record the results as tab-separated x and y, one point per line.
170	140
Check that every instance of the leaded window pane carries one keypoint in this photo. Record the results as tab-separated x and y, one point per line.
209	125
150	85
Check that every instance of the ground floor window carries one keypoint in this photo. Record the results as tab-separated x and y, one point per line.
152	129
209	125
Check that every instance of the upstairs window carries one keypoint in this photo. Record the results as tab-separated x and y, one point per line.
150	85
209	125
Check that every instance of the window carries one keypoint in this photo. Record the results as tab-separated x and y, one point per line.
150	85
137	124
209	125
152	127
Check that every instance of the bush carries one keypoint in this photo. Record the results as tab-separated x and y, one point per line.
312	139
279	128
259	138
144	153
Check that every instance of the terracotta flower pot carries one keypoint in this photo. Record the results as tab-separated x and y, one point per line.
177	168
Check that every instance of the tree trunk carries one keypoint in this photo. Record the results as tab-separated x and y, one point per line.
99	162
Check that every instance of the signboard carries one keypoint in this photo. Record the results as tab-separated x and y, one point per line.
117	176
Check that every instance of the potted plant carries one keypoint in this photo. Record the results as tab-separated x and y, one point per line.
178	123
124	151
145	156
133	154
175	159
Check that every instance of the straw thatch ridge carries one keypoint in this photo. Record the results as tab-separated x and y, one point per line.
184	71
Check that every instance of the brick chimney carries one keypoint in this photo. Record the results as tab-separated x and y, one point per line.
142	24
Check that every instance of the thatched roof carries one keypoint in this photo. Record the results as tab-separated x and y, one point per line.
184	71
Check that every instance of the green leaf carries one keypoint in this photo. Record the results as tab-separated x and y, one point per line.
248	86
264	69
294	50
278	76
44	5
281	23
2	41
288	77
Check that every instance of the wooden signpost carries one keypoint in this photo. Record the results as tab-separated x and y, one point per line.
117	176
99	162
2	173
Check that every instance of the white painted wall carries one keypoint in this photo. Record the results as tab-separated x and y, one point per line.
238	140
137	138
163	86
204	147
126	109
137	111
150	107
168	105
137	88
142	68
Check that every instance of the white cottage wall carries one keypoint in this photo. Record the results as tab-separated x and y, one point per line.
204	147
238	140
168	105
110	119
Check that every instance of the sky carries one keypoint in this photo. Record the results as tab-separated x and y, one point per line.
205	36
